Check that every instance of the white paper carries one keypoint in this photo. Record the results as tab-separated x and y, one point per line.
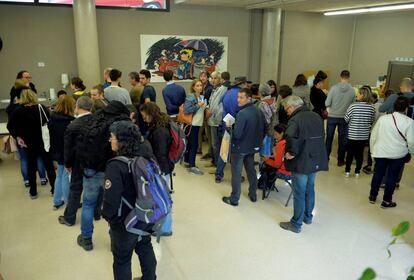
229	119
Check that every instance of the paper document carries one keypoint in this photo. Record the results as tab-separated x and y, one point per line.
229	119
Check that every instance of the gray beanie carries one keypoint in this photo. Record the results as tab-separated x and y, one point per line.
264	90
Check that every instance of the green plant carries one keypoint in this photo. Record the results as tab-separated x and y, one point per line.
398	231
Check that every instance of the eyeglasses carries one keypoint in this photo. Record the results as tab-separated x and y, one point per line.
27	77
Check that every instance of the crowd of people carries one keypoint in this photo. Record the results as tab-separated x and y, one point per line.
280	128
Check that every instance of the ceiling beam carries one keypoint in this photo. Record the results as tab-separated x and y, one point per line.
272	4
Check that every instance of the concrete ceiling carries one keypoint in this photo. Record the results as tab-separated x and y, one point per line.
294	5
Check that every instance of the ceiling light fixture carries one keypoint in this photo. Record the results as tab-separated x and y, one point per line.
371	10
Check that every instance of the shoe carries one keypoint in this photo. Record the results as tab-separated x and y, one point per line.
227	200
33	196
43	181
357	175
219	180
85	243
289	226
194	170
205	157
26	184
347	174
164	234
341	163
372	199
385	204
63	221
97	217
243	179
56	207
382	186
253	198
367	169
307	222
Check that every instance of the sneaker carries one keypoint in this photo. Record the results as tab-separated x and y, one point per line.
219	180
85	243
347	174
253	198
228	201
341	163
385	204
307	222
367	169
372	199
63	221
357	175
26	184
33	196
56	207
289	226
194	170
43	181
205	157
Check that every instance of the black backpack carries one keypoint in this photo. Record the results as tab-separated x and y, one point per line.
410	111
94	147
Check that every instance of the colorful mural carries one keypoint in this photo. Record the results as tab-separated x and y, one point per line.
186	56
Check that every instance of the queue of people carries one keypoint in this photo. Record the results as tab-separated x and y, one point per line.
87	130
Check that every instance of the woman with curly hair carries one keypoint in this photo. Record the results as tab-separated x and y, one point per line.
127	141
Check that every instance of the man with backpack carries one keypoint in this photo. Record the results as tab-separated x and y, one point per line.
121	192
96	151
406	90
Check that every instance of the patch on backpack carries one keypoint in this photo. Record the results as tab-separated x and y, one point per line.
108	184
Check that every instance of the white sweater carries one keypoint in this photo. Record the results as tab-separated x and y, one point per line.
385	140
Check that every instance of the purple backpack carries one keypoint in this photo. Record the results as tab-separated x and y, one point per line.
153	202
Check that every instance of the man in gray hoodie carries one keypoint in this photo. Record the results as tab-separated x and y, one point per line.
340	96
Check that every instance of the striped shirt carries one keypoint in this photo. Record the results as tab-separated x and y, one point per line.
359	116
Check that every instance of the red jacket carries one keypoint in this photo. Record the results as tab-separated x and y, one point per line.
277	161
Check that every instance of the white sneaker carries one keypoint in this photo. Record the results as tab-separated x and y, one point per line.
346	174
195	171
357	175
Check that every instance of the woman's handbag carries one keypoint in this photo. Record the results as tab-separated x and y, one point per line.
183	117
225	147
45	129
9	145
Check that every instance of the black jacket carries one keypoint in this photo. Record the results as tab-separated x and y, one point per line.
318	97
119	184
305	140
57	126
160	140
25	123
249	130
15	92
70	139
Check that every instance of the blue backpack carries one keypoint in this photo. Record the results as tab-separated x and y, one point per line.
153	202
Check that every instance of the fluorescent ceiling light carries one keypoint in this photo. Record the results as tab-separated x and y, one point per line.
371	10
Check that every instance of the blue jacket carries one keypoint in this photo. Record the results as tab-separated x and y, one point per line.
174	96
229	100
249	130
388	105
191	104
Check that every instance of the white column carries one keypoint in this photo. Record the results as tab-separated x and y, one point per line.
269	60
86	36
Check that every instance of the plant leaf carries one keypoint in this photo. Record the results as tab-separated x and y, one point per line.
369	274
402	228
410	277
412	270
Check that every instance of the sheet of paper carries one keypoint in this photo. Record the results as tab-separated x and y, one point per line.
229	119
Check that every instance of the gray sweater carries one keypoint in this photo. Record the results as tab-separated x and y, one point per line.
340	96
118	94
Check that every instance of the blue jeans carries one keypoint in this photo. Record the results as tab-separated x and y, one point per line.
61	186
192	145
303	198
237	162
24	165
342	136
93	182
391	167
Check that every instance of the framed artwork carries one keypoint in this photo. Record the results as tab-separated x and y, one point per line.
186	56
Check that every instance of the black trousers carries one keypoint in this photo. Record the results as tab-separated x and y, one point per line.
355	149
123	244
75	193
32	155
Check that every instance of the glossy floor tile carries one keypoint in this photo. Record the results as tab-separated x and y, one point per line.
213	240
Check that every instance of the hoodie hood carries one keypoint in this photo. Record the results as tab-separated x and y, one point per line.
344	87
115	108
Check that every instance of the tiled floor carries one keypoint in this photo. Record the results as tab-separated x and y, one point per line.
215	241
